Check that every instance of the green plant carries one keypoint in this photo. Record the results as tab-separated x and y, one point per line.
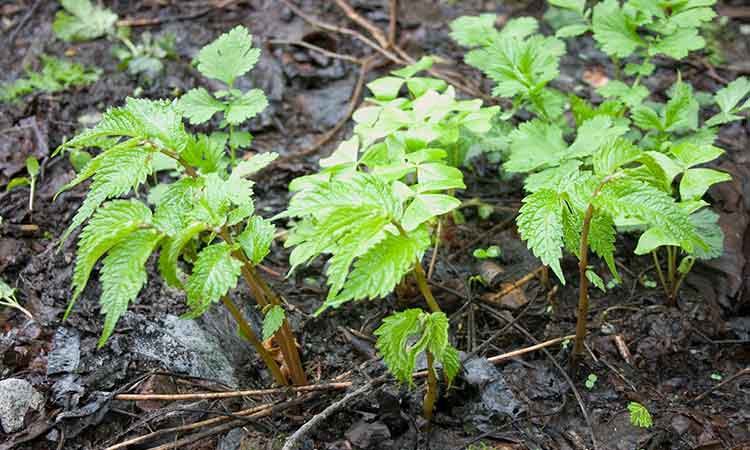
8	299
56	75
375	204
80	20
144	58
32	168
204	220
237	107
639	415
492	251
591	381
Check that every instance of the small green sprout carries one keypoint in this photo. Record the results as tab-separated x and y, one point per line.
32	168
639	415
492	251
8	298
591	381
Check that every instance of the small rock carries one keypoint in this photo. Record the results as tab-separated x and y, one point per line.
232	440
16	398
66	352
680	424
495	395
368	435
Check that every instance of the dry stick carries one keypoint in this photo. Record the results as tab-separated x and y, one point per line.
745	371
134	22
552	359
294	440
495	298
315	48
364	23
353	103
189	427
232	394
393	23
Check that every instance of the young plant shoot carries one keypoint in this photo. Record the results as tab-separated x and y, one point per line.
373	206
204	220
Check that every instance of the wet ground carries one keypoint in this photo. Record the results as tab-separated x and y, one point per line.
673	356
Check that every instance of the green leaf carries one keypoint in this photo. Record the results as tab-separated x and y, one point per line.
347	154
199	106
543	137
593	134
214	273
706	224
206	153
175	204
602	240
172	249
385	88
82	21
682	108
424	63
228	57
254	165
689	155
678	44
614	30
572	30
393	337
250	104
573	5
113	222
613	155
695	182
639	415
17	182
654	238
256	239
438	177
540	224
123	275
632	96
32	166
474	31
426	206
728	99
596	280
273	321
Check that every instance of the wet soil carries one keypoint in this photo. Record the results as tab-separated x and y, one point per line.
674	355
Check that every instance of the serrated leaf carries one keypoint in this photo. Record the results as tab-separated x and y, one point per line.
573	5
228	57
596	280
111	224
254	165
82	21
438	177
250	104
347	154
682	109
215	272
632	96
678	44
613	155
544	138
728	99
639	415
689	155
206	153
256	239
540	224
474	31
123	275
199	106
172	249
614	30
695	182
426	206
272	321
572	30
173	208
385	88
602	240
424	63
393	337
593	134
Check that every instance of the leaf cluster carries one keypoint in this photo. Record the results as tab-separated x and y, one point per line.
56	75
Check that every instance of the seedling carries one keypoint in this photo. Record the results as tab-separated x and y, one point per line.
205	218
56	75
639	415
80	20
373	207
237	107
32	168
490	252
8	299
591	381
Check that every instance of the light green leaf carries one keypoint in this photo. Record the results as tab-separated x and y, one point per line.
438	177
695	182
728	99
273	321
573	5
688	154
347	153
706	224
424	63
596	280
474	31
82	21
172	249
544	138
255	164
614	30
426	206
199	106
256	239
215	272
613	155
593	134
540	224
123	275
250	104
572	30
632	96
17	182
228	57
385	88
678	44
654	238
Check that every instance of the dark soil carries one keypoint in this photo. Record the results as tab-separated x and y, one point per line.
675	354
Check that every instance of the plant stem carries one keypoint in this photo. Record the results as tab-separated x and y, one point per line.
657	264
265	296
232	150
679	282
424	288
430	396
251	337
671	273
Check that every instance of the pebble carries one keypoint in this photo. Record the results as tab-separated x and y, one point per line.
16	398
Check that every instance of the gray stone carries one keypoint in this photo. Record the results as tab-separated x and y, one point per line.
368	435
16	398
66	352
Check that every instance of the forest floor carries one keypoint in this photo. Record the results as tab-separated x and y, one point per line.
668	359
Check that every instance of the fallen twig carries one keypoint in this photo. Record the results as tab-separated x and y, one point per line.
293	441
315	48
743	372
233	394
495	298
149	22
